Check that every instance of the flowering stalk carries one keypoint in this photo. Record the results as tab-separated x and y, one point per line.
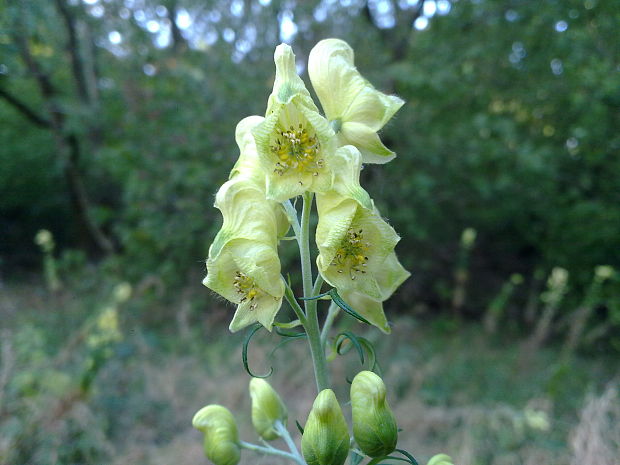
295	151
312	320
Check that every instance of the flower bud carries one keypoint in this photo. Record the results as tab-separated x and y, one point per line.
440	459
326	436
267	409
221	442
374	425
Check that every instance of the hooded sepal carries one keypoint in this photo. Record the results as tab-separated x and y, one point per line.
246	214
350	101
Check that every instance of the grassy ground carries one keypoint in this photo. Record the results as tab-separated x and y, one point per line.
75	391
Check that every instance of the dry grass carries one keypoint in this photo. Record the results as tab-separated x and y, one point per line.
596	438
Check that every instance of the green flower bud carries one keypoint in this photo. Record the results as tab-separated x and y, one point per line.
326	436
267	409
440	459
221	438
374	425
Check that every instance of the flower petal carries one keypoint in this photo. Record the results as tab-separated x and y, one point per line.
350	102
392	275
287	84
334	78
369	308
347	165
247	215
264	313
367	141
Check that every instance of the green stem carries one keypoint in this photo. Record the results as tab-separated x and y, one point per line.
284	434
312	321
332	313
290	298
291	214
272	451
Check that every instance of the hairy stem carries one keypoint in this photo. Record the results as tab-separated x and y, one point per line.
329	321
312	321
284	434
272	451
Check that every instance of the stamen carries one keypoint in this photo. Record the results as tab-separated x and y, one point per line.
246	286
296	151
351	255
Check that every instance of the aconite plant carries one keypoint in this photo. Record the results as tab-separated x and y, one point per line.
290	158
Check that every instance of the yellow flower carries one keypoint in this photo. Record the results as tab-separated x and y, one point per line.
243	264
356	248
354	108
356	255
294	141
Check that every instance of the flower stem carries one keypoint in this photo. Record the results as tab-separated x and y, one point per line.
284	434
332	313
312	321
272	451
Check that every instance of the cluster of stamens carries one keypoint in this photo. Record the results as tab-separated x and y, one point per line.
297	150
351	254
245	286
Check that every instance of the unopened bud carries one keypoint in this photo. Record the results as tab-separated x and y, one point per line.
468	237
267	409
440	459
45	240
374	425
603	272
326	435
221	442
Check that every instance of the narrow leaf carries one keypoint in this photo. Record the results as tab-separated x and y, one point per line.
408	455
343	305
348	335
289	325
372	356
284	342
244	352
299	427
316	297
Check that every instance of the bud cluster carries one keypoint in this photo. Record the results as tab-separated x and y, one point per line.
325	440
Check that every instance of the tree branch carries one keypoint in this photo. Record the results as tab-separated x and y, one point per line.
25	110
73	50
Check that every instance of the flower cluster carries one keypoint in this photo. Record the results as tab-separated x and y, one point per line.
292	150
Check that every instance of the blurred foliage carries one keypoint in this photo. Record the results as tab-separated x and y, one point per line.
510	129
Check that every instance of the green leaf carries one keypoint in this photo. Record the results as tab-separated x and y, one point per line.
372	359
289	325
284	342
299	427
333	293
340	340
408	455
